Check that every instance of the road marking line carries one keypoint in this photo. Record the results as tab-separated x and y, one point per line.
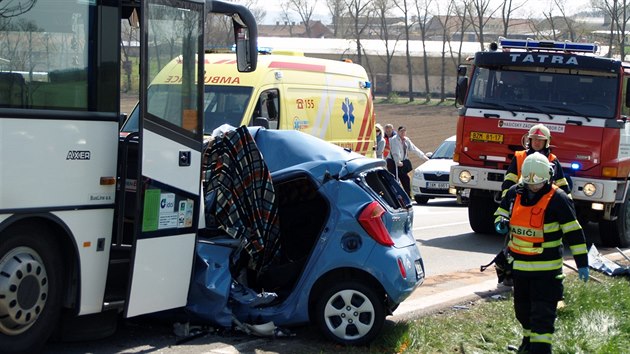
440	225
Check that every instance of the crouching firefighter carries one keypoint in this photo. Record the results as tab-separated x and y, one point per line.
540	216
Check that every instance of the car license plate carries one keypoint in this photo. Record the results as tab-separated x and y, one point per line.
486	137
419	271
437	185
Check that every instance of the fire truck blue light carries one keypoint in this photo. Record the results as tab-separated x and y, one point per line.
548	45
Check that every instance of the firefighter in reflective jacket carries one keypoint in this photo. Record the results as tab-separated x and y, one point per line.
540	217
538	140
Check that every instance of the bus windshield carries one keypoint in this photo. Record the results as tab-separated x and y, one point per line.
222	105
552	91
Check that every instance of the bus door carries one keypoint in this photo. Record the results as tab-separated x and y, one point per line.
169	155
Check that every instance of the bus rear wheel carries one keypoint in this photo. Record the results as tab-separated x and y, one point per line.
30	289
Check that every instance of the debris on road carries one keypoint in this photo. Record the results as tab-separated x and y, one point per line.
597	261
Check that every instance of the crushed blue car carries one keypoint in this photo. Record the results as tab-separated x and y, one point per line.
298	231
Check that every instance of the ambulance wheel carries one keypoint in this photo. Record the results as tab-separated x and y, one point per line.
30	289
616	233
481	210
350	313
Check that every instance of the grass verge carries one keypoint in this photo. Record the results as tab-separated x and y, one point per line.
595	319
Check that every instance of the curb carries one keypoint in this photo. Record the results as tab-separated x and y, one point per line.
443	291
439	292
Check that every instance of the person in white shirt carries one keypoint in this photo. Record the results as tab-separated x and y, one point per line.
400	147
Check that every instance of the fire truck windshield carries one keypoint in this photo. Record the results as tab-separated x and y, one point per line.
545	90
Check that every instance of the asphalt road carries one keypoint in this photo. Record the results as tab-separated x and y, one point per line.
452	254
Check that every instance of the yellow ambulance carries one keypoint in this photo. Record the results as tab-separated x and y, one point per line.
329	99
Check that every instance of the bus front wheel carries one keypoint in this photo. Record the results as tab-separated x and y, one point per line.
30	288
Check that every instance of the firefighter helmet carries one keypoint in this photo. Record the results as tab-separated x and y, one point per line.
536	169
539	131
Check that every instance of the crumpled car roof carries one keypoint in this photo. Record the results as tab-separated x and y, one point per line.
283	149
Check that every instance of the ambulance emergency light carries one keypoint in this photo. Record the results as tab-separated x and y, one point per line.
529	44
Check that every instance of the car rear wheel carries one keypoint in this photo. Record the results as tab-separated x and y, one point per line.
349	312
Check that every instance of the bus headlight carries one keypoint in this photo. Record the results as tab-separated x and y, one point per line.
589	189
464	176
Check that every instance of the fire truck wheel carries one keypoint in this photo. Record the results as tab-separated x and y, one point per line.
421	200
617	233
350	313
480	214
31	289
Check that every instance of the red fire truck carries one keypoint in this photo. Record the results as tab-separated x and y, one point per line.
580	96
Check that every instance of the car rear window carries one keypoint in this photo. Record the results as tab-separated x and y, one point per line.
384	185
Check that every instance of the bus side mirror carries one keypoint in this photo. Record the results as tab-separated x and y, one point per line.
628	93
461	70
245	61
460	91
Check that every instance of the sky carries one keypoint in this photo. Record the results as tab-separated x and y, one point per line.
321	12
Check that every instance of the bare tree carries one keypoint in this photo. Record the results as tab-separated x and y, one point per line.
480	13
617	10
15	8
569	23
304	9
285	16
360	13
446	29
422	10
507	9
337	10
461	12
402	6
622	22
383	11
550	24
131	34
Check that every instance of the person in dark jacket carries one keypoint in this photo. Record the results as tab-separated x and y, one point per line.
537	218
538	140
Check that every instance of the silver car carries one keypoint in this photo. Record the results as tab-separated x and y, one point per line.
430	180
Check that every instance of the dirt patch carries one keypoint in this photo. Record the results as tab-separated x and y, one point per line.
427	126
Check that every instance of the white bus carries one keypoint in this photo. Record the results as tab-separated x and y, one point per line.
73	246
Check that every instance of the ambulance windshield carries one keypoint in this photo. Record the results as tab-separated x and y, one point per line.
550	91
225	105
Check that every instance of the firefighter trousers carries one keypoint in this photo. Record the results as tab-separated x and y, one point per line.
535	302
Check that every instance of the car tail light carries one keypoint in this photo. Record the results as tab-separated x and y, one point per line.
370	219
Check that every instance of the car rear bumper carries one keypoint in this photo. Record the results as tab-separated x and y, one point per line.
399	270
